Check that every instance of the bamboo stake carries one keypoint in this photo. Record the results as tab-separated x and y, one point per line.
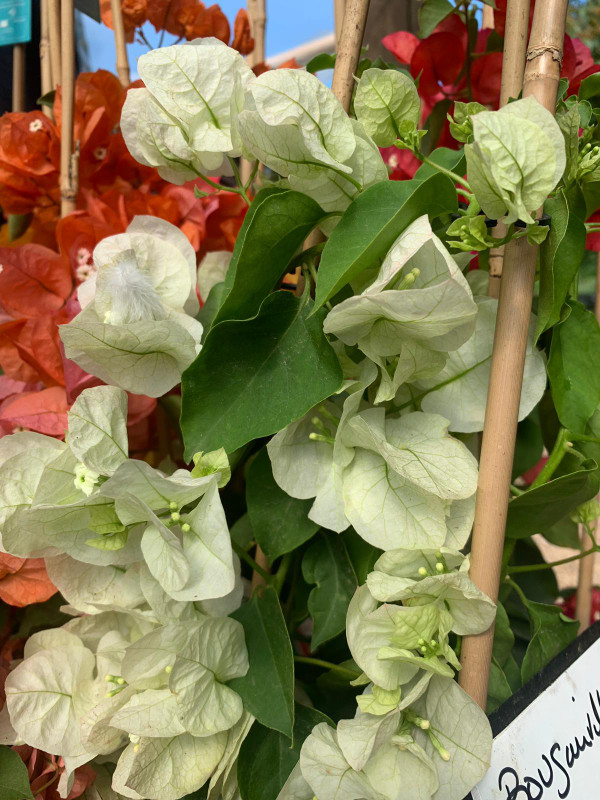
257	16
45	65
542	72
120	43
18	78
487	17
585	581
68	160
55	41
348	51
513	64
339	7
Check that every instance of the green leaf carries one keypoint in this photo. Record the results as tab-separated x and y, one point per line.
241	531
322	61
551	632
503	636
529	446
539	509
280	522
384	100
574	367
269	237
498	687
431	13
454	160
590	87
268	687
560	256
266	758
210	308
253	377
326	563
14	780
17	225
564	534
390	207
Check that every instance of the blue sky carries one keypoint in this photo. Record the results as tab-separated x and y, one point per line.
288	24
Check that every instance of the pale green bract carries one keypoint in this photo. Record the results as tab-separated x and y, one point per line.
383	99
144	675
135	329
516	159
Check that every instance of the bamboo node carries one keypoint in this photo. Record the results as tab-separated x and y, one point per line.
536	52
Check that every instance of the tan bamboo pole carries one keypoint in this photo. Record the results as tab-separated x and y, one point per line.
68	160
45	65
542	73
487	17
585	581
339	7
55	41
18	78
513	65
257	16
348	50
120	43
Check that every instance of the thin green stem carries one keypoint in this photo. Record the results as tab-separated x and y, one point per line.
248	183
517	589
453	175
219	187
514	490
550	564
282	571
251	562
562	445
318	662
238	179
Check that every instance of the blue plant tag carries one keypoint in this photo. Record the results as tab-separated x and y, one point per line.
15	21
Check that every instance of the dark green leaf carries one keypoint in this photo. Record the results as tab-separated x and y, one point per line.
266	758
498	688
17	225
322	61
560	256
503	636
268	239
254	377
529	446
362	554
280	522
564	534
591	193
241	532
48	98
326	563
268	687
454	160
539	509
590	87
551	632
209	310
435	123
389	207
431	13
574	367
14	780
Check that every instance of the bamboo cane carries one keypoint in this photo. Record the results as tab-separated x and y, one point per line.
542	73
68	160
120	43
585	581
487	17
348	50
339	7
257	16
18	78
55	41
45	65
513	65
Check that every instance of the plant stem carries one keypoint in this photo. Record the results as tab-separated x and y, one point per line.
251	562
282	570
561	447
517	589
514	490
248	183
453	175
238	179
551	564
318	662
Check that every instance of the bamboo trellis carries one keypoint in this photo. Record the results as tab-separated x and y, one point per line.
542	73
68	159
122	61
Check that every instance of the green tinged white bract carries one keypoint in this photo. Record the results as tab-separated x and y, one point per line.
139	677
